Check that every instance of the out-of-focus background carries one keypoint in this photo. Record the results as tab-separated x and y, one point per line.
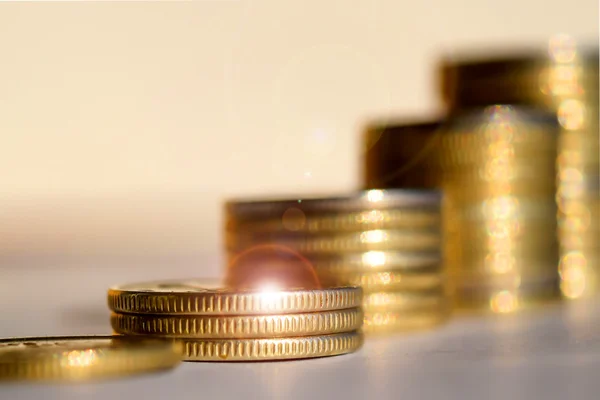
125	125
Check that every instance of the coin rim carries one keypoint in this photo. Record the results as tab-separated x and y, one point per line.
251	208
228	327
121	299
232	350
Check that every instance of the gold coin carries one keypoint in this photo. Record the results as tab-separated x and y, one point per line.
501	264
505	301
579	272
489	160
391	280
351	242
361	262
253	209
482	193
502	208
540	79
474	251
401	321
500	230
83	357
272	349
239	327
404	300
294	220
208	297
589	240
511	280
379	261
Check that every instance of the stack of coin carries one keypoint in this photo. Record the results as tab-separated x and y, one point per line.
387	241
562	80
216	323
496	168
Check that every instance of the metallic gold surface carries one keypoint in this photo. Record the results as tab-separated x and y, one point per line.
512	280
579	273
391	244
369	261
272	349
386	322
294	220
206	297
239	327
394	151
493	265
535	78
379	261
504	208
374	240
404	300
496	166
391	280
259	209
563	80
507	300
79	358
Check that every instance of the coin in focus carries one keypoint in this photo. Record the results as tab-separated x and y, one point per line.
272	348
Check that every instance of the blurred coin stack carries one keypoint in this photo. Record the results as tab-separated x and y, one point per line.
216	323
387	241
496	168
564	81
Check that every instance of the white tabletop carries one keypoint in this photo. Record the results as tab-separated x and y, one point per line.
550	354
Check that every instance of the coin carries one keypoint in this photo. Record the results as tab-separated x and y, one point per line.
404	300
354	262
507	300
579	273
506	207
239	327
211	297
350	242
485	159
272	349
248	209
589	240
379	261
498	229
530	280
401	321
394	151
390	280
76	358
501	264
294	220
537	78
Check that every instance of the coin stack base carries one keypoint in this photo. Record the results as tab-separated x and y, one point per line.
501	233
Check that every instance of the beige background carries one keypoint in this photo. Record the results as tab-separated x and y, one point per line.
124	125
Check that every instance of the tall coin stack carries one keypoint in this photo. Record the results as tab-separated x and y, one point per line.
387	241
496	167
563	80
217	323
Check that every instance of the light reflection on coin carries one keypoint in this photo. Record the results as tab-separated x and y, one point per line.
211	297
